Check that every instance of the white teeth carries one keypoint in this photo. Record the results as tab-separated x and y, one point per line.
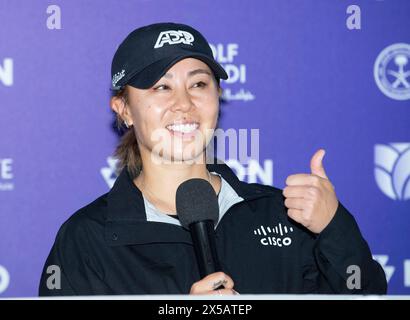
184	128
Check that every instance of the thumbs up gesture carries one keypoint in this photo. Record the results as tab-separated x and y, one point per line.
310	198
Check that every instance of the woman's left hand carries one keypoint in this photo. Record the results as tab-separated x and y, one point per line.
310	198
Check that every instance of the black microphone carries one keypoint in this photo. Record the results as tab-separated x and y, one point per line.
198	210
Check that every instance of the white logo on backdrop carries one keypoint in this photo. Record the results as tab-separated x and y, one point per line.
253	171
388	269
392	169
406	266
392	71
109	173
174	37
6	174
4	279
225	55
6	72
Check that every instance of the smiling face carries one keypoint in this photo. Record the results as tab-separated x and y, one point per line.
175	118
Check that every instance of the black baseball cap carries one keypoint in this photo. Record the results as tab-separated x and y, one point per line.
148	52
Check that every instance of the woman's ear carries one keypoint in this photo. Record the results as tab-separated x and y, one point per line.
119	106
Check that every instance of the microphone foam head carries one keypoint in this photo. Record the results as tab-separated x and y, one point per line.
196	200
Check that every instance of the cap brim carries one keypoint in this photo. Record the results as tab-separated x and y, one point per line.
150	75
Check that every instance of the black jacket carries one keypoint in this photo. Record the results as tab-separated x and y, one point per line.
109	247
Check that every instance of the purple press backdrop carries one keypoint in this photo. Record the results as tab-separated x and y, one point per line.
299	73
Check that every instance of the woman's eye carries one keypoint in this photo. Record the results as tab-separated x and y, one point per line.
199	84
161	87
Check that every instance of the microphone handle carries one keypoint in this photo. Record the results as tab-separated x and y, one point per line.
203	238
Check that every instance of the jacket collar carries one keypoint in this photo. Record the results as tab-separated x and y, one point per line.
126	221
125	201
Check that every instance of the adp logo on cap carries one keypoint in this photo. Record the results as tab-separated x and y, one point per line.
174	37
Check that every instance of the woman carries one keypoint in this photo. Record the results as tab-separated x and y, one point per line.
129	241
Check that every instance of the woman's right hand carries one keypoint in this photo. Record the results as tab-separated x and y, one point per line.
211	283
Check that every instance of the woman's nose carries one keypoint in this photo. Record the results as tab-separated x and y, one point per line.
183	101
